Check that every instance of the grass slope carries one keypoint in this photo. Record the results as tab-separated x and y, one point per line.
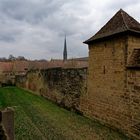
38	119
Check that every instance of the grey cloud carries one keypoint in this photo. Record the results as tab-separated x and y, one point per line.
7	38
121	4
36	28
32	12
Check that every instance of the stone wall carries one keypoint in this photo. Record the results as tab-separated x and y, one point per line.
133	88
111	97
133	96
7	124
63	86
106	82
113	93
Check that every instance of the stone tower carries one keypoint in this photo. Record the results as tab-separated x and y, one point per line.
65	50
113	94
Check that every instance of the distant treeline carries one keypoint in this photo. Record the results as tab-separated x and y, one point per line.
12	58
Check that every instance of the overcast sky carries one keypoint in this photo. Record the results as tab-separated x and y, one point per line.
36	28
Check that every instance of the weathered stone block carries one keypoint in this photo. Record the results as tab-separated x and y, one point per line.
7	124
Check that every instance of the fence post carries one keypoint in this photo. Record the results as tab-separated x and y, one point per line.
7	122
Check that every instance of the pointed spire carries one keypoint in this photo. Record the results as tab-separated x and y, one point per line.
65	50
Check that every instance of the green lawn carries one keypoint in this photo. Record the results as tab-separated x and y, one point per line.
38	119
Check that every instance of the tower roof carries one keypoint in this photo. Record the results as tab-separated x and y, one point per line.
119	23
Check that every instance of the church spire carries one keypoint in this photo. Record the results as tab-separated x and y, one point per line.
65	50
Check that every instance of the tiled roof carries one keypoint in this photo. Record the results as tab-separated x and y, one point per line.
134	61
120	22
6	67
24	66
20	66
79	59
68	64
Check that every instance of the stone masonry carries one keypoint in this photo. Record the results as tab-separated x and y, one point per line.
113	94
7	124
63	86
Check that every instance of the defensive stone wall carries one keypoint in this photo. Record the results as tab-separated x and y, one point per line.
112	96
133	88
113	93
63	86
133	96
106	82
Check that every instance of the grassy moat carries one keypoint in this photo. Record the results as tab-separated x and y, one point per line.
38	119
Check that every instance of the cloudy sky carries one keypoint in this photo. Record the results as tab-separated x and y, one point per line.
36	28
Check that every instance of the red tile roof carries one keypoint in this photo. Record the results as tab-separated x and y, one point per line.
21	67
120	22
6	67
68	64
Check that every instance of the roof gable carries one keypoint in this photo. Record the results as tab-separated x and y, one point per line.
120	22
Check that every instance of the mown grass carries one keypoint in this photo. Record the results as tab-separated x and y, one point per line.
39	119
